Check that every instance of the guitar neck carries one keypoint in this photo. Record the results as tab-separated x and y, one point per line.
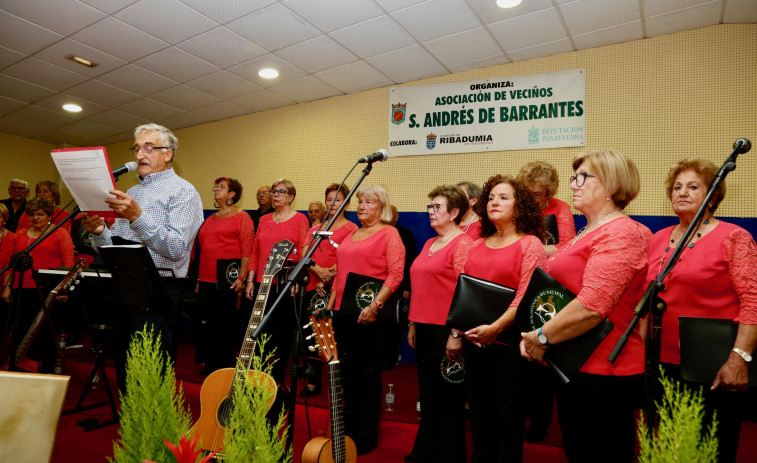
249	344
338	449
23	346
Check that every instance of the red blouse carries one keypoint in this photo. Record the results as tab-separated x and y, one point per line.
381	255
224	238
606	269
57	250
58	216
325	255
295	229
433	279
566	226
7	247
473	229
511	266
714	279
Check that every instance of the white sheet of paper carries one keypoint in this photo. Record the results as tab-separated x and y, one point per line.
87	174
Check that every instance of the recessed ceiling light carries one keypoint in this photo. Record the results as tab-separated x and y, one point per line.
508	3
72	108
268	73
82	61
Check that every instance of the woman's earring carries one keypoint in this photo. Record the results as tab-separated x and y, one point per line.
227	202
607	198
216	205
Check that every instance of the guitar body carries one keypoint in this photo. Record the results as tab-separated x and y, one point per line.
318	450
215	404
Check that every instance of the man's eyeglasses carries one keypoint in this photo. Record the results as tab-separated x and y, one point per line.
580	179
147	149
434	207
278	192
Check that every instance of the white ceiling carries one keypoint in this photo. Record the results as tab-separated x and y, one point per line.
187	62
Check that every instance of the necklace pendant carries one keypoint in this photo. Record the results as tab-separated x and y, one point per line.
667	249
691	245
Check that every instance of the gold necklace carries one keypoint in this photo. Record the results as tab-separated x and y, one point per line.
473	218
585	230
503	241
219	213
442	243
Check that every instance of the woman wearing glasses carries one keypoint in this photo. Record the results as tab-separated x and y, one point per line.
226	234
605	266
57	250
284	223
541	178
48	189
433	278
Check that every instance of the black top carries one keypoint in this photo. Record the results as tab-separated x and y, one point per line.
12	223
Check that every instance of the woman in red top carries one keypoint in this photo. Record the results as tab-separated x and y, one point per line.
7	244
48	189
470	223
284	223
605	266
714	278
433	278
374	250
226	234
512	229
57	250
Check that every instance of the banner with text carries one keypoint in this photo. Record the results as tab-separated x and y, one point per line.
512	113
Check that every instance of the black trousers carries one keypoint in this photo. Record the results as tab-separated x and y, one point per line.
596	415
215	342
360	352
441	433
495	389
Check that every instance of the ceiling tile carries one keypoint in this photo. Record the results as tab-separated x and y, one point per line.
373	37
109	6
273	28
117	119
58	137
55	103
405	62
223	85
220	111
607	36
654	8
222	47
37	115
149	109
8	105
740	11
137	80
480	63
182	120
62	16
423	75
317	54
23	36
21	128
23	91
44	74
185	98
250	69
391	5
123	136
590	15
226	10
8	57
694	17
489	12
56	54
436	18
463	47
543	49
305	89
176	64
353	76
89	129
102	93
119	39
520	32
168	20
330	15
261	101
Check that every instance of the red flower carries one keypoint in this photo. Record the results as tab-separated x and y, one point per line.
185	452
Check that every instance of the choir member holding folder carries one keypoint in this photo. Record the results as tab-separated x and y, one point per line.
512	229
433	277
605	265
714	278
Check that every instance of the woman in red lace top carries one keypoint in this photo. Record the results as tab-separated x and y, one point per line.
714	278
542	179
433	278
48	189
605	265
226	234
512	229
374	250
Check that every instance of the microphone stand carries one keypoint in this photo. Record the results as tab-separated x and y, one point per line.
652	304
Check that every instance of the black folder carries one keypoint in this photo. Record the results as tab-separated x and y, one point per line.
706	344
551	235
543	299
479	302
360	291
227	272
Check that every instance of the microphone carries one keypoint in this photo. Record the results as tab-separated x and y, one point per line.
125	169
742	145
380	155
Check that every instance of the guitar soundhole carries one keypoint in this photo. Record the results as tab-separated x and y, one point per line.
224	411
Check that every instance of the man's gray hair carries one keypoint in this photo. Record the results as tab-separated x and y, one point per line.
167	138
18	180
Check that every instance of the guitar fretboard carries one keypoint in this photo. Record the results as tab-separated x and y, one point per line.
338	450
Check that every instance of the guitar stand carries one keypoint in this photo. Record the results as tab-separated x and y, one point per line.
99	348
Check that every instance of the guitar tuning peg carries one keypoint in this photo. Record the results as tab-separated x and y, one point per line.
304	327
310	337
311	348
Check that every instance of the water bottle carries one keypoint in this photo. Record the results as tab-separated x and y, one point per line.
418	409
389	399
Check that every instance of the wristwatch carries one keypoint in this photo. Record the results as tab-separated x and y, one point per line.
541	337
455	334
743	354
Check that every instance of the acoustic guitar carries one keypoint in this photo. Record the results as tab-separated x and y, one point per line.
340	448
217	390
68	283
